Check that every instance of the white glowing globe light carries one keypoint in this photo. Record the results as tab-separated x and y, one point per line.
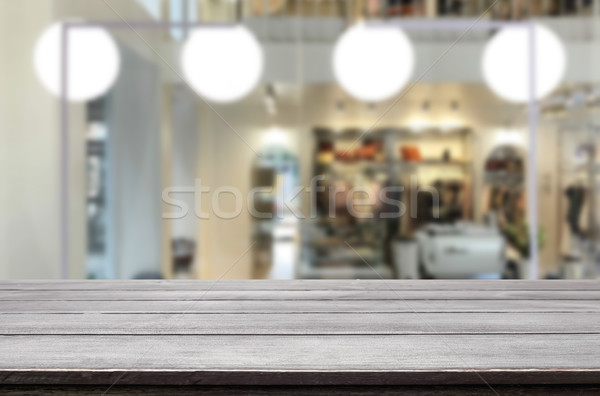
506	63
222	64
93	61
373	63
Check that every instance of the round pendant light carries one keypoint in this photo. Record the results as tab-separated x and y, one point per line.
373	63
93	61
222	64
506	62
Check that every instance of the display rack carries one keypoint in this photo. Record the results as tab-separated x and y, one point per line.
349	247
578	165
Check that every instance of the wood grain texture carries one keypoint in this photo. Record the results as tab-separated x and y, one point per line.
300	324
286	333
295	295
307	306
304	284
292	352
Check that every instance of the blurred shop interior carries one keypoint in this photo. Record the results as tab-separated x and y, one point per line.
115	186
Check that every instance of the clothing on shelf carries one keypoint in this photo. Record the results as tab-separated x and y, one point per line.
451	206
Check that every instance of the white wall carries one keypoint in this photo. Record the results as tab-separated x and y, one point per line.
30	143
30	158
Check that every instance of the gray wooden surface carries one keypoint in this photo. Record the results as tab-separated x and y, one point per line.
283	333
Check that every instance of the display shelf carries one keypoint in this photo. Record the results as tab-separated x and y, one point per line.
406	133
578	169
394	161
434	162
354	158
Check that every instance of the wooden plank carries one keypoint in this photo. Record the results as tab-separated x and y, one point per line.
296	353
296	295
307	306
184	285
298	324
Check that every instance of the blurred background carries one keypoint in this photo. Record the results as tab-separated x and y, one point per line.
97	187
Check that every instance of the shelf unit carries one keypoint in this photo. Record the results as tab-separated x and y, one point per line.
368	260
582	135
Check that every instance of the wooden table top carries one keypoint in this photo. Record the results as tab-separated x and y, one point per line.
274	333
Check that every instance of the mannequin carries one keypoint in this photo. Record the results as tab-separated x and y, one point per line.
576	198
